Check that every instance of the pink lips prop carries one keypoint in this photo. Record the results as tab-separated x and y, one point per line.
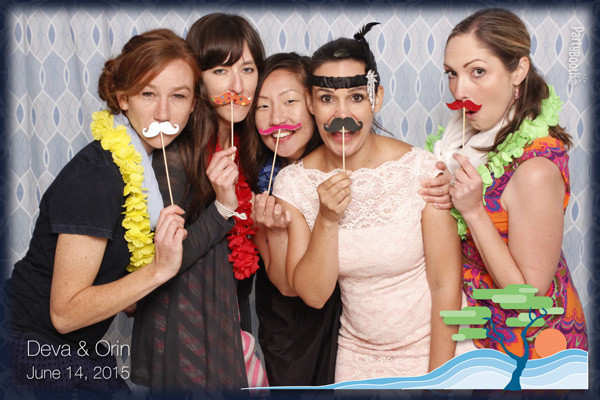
272	129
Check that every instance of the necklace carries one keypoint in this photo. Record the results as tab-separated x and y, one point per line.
244	254
138	234
510	149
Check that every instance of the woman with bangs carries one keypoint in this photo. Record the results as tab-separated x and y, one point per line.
231	58
187	334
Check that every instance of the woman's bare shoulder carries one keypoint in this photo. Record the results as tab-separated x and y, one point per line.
392	148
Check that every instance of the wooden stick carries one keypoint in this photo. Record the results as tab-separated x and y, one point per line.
233	155
343	149
274	157
166	167
463	146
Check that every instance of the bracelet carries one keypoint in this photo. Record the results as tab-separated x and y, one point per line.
227	213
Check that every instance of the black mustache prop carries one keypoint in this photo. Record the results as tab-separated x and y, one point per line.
347	123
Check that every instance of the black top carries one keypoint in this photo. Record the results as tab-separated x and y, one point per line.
299	343
86	198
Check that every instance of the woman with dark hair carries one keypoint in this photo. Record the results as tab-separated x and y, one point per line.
515	154
298	342
191	333
367	227
282	120
230	58
95	223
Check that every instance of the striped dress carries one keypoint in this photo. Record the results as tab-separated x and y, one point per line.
562	291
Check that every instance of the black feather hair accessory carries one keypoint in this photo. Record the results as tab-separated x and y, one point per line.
360	35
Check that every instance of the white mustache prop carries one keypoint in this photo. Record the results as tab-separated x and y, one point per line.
156	128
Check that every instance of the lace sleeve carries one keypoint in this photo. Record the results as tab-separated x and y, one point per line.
298	186
425	164
284	183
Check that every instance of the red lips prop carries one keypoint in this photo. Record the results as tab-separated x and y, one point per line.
467	104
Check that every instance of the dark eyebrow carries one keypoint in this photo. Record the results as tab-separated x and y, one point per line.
446	66
471	62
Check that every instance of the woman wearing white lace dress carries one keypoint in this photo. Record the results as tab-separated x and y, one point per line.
397	259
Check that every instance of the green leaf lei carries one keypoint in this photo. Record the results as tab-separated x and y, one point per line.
510	149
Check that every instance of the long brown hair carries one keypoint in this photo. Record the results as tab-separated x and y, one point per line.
297	65
143	57
218	39
505	35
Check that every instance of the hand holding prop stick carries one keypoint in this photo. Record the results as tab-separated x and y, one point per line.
231	98
270	130
465	105
157	128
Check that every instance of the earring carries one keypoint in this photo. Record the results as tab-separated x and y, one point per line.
516	92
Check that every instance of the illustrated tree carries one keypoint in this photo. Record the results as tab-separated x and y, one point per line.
512	297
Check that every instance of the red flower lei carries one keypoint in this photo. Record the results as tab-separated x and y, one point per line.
244	254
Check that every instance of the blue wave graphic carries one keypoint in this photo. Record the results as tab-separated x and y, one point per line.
484	369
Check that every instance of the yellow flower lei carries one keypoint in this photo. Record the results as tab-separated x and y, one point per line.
138	234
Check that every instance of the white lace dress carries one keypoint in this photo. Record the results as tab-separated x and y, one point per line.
386	317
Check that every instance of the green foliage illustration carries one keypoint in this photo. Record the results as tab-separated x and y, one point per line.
512	297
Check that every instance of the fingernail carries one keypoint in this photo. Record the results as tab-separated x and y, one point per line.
436	205
426	198
421	192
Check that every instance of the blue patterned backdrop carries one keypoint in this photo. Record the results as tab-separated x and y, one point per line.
55	55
